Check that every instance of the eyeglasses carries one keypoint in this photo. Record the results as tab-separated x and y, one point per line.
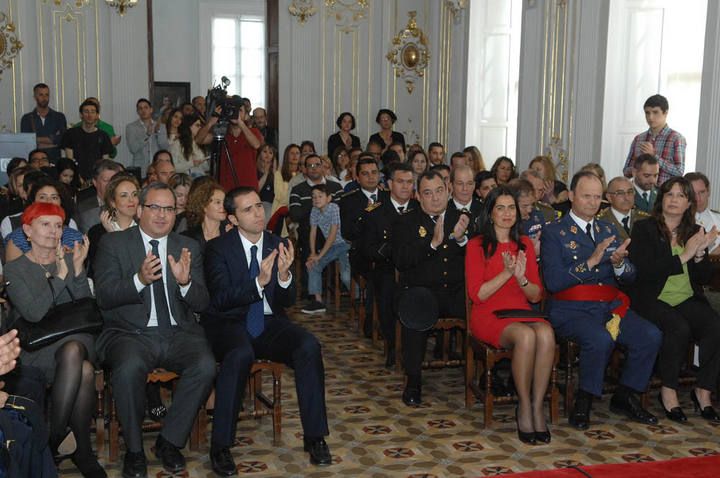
155	209
313	165
629	192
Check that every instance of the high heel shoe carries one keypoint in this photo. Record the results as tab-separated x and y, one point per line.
543	437
525	437
675	413
708	413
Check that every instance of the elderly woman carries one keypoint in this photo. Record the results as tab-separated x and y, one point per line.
43	276
343	138
670	253
386	136
206	214
501	273
44	190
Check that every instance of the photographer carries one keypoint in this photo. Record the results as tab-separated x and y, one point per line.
242	143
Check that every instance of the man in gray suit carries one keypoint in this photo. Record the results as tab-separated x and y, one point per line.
148	282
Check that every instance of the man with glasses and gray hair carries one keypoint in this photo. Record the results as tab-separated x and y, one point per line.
149	283
622	213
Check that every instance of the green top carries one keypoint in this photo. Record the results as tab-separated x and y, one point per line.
107	128
677	287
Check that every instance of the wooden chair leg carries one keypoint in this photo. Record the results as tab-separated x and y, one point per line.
277	407
489	397
100	411
469	376
114	434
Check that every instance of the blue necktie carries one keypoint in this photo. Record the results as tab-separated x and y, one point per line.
256	315
162	311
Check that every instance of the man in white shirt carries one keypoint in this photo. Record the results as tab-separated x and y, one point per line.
704	216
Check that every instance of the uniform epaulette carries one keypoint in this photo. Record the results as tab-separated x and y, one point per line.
349	193
373	206
642	213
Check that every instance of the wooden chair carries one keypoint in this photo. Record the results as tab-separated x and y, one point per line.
262	404
448	326
162	376
332	284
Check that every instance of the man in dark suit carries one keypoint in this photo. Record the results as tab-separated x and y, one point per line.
621	213
250	282
584	264
91	204
149	282
354	203
462	182
375	248
646	170
428	247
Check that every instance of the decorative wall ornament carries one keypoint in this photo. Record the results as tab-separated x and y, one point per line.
10	46
559	157
456	7
121	5
78	3
348	13
409	54
302	9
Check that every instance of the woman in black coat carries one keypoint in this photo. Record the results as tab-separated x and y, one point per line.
670	253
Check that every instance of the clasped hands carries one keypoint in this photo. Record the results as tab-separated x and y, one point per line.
458	231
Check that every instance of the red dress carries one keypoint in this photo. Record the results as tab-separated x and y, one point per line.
243	156
483	323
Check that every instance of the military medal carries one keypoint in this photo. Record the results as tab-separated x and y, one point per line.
573	245
562	232
422	232
573	229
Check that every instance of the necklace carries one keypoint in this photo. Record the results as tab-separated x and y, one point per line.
34	259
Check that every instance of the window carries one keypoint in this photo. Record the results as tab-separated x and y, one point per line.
238	53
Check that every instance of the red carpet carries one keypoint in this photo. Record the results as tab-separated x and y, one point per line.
701	467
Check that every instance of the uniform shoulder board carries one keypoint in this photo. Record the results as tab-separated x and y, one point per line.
408	210
373	206
642	213
349	193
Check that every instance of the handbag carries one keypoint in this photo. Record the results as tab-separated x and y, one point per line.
74	317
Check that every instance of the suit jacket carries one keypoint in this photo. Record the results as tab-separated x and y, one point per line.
565	249
124	309
375	240
88	212
352	212
418	263
652	255
635	215
232	290
476	207
643	205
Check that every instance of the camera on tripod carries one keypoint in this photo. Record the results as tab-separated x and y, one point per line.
229	106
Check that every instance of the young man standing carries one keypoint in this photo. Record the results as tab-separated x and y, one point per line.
665	144
47	124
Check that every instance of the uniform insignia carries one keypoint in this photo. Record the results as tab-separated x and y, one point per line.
580	268
607	228
562	232
372	207
573	245
422	232
573	229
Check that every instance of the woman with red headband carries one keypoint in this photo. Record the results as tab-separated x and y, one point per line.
44	275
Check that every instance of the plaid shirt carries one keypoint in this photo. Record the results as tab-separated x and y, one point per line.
669	151
324	220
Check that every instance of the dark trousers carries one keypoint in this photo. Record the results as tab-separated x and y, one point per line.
451	303
693	320
281	341
131	357
385	287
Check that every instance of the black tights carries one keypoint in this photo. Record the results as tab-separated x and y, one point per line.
73	395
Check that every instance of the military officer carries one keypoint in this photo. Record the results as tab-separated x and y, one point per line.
621	213
375	247
583	264
428	247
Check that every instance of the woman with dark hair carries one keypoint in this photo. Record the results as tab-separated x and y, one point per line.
188	156
386	136
307	147
181	184
206	214
484	184
45	190
343	138
266	162
340	160
418	162
504	170
501	273
670	253
45	275
475	159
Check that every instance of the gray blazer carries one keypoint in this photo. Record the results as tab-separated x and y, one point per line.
125	310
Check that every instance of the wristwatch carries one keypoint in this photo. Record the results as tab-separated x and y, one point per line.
525	283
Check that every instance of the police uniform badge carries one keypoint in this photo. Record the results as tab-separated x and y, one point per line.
422	232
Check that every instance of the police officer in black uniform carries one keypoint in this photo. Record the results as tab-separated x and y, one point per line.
375	247
429	252
463	198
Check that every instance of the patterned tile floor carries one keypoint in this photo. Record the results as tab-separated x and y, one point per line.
374	435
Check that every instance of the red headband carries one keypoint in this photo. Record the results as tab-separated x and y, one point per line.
37	209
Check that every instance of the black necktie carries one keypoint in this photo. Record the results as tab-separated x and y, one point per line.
626	224
373	198
162	311
588	231
434	218
401	209
645	198
255	323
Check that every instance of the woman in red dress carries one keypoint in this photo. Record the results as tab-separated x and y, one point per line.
501	273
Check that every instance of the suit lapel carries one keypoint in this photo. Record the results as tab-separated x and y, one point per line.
173	249
136	260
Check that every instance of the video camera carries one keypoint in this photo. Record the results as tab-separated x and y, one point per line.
229	105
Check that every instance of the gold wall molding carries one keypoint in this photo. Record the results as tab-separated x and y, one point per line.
302	9
409	54
10	46
348	13
456	7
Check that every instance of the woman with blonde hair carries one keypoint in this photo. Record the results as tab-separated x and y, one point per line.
475	159
555	190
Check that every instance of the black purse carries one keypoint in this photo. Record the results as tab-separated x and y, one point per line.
74	317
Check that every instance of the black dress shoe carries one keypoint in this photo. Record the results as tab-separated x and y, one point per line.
170	456
525	437
675	413
629	405
708	413
134	465
319	451
412	396
222	461
580	416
